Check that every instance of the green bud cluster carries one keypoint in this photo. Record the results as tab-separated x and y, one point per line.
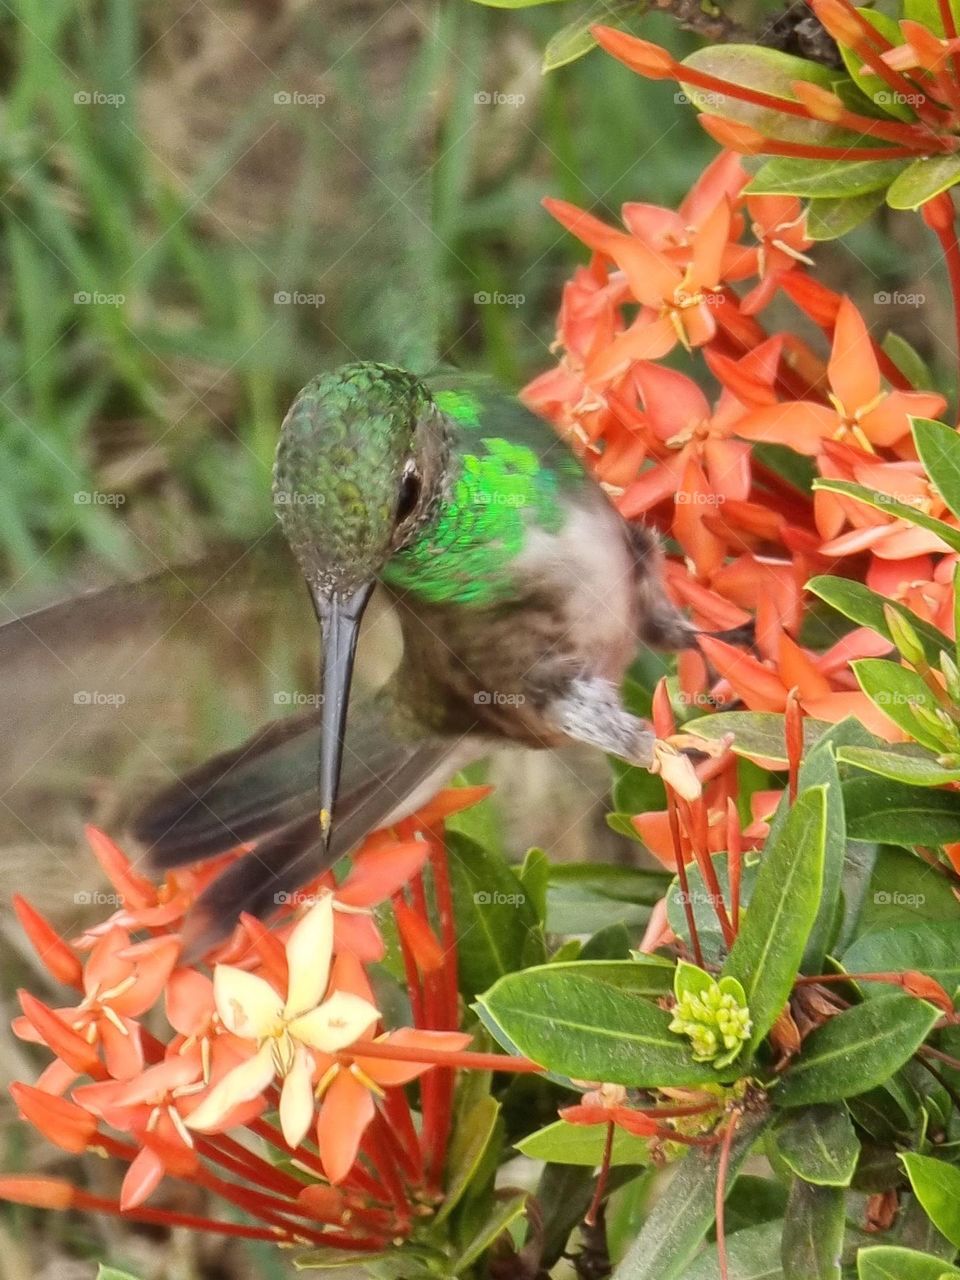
712	1014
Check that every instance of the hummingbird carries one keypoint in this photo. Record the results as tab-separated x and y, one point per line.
522	595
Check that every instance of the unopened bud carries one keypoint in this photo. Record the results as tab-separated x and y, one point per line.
904	636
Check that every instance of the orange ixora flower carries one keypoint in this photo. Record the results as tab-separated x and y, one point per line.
860	411
287	1031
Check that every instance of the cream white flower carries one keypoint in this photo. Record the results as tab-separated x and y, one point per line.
286	1031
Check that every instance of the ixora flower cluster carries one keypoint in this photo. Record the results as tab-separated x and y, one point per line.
271	1043
710	471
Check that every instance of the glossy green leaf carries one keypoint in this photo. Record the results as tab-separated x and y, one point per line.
581	1144
587	1030
925	946
896	691
812	1232
585	897
769	947
678	1222
472	1135
534	875
111	1273
818	1144
905	891
505	1212
939	449
576	39
922	180
496	923
907	359
753	1253
866	608
857	1050
891	1262
823	179
902	761
883	502
756	734
936	1185
772	72
832	217
650	976
894	813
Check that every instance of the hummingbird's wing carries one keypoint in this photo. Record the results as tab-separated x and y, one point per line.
107	697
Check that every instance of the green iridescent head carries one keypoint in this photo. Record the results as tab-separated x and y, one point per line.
361	455
359	471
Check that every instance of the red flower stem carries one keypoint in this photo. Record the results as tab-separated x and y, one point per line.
366	1183
448	921
602	1176
947	235
257	1170
950	31
918	141
414	989
812	151
697	814
670	1113
682	879
402	1157
440	1057
382	1159
397	1110
928	1052
435	1089
734	860
723	1166
167	1218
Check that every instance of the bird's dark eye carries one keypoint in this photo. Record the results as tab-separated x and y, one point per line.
410	485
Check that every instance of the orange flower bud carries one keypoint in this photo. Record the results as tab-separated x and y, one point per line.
742	138
642	56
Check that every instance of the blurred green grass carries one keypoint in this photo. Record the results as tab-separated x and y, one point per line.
155	199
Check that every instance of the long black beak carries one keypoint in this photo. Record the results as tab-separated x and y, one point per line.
339	616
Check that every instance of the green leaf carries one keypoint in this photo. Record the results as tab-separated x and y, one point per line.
939	450
585	897
586	1030
908	360
923	180
823	179
576	39
643	976
832	217
925	946
679	1220
752	1254
581	1144
772	72
904	891
818	1144
894	813
611	943
883	502
111	1273
496	923
889	1262
902	761
471	1137
702	905
812	1232
936	1185
857	1050
867	82
896	691
866	608
769	947
535	877
756	734
505	1212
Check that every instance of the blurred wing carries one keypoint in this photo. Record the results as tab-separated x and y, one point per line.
108	697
